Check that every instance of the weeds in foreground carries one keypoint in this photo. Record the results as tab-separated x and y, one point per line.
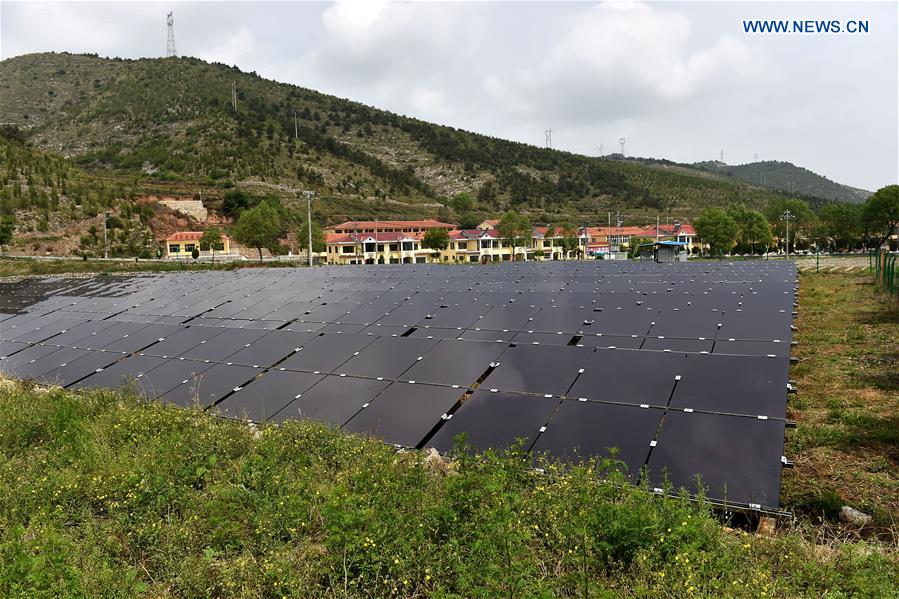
104	495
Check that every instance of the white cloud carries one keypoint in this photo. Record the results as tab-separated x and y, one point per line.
620	59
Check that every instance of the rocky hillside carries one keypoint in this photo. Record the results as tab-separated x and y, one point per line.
170	127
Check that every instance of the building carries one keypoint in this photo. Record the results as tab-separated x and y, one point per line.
400	242
183	243
663	251
387	226
679	232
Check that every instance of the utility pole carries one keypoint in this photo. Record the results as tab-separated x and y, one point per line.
657	227
787	216
105	241
234	95
309	195
296	131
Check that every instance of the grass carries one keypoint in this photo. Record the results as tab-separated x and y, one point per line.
31	267
846	446
103	495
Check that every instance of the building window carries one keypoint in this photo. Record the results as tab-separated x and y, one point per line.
347	249
380	247
394	247
219	247
369	247
408	246
174	248
189	247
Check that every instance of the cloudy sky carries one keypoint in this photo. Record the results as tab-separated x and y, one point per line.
679	80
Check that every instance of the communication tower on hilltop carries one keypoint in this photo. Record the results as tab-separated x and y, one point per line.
549	138
170	44
622	141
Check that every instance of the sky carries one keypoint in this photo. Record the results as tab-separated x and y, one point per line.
677	80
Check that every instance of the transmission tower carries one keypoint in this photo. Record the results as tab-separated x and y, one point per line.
621	140
722	156
600	150
549	138
170	43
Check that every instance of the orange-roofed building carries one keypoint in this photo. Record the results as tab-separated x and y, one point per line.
183	243
388	226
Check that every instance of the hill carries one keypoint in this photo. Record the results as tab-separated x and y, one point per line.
786	176
171	127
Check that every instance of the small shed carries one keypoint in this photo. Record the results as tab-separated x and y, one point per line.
663	251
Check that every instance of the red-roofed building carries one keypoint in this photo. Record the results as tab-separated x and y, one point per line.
183	243
388	226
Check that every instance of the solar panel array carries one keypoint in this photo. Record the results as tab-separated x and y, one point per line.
682	367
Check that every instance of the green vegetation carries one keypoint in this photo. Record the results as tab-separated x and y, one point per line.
435	239
516	230
318	237
259	227
716	228
788	178
881	213
168	125
103	495
846	445
211	240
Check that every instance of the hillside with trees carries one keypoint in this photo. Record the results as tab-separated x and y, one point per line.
85	134
785	176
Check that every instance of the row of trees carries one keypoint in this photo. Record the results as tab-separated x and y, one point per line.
837	226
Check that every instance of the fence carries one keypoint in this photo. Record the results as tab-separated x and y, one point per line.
886	276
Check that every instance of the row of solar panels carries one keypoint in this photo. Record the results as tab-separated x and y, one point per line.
696	383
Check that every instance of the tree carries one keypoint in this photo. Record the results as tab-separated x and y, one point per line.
211	238
235	202
803	219
753	226
841	223
318	237
435	239
468	221
444	215
516	229
881	212
7	228
569	239
716	228
258	227
462	202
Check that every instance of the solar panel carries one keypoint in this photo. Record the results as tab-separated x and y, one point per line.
272	348
326	353
455	362
125	372
537	369
738	458
700	340
584	429
267	395
751	385
221	346
624	376
495	420
211	385
387	357
334	400
404	413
